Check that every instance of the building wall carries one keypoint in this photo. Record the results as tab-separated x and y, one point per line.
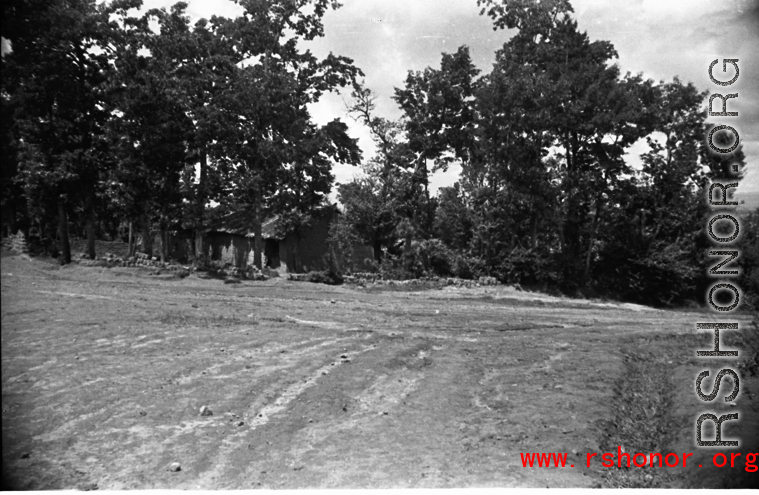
234	249
303	252
306	251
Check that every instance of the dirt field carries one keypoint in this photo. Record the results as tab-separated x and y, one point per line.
104	372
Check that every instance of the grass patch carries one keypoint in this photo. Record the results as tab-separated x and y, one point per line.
642	417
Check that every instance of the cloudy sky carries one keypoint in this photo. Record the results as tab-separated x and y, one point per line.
660	38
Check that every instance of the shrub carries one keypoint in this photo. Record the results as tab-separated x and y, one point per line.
528	266
467	267
434	257
665	276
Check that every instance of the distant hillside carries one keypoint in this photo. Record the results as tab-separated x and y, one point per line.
747	201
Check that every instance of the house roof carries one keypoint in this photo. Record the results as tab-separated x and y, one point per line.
242	222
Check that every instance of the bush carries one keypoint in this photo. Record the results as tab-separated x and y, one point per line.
467	267
528	266
435	258
665	277
392	268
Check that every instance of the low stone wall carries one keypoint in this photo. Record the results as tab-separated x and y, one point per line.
140	260
374	278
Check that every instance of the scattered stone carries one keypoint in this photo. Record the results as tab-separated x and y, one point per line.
88	487
25	455
332	301
143	413
343	356
575	452
205	411
195	306
241	423
559	387
175	467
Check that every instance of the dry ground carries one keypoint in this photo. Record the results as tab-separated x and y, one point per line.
104	372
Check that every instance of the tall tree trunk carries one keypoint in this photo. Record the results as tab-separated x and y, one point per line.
593	229
163	242
147	241
297	261
408	257
13	225
377	248
193	247
90	227
201	205
258	239
534	237
130	253
63	232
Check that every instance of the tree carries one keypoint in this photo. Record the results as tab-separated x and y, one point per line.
371	207
583	106
154	125
652	248
268	102
454	222
55	76
12	193
438	123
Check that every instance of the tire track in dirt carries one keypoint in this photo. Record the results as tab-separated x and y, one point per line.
262	416
350	403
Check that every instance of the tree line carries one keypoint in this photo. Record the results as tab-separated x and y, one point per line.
547	195
112	118
149	118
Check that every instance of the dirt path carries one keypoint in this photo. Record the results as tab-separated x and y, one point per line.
104	373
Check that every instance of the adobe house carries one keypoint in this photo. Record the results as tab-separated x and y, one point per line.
231	239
